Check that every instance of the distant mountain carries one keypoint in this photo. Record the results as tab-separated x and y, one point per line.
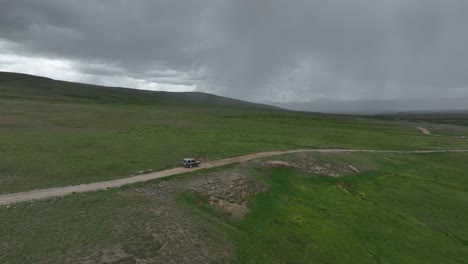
381	106
17	85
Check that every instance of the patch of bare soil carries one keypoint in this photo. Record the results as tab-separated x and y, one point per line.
423	130
312	165
229	191
356	170
278	163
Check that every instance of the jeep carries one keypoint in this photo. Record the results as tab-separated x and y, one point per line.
190	162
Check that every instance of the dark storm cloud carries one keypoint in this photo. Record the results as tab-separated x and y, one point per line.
258	50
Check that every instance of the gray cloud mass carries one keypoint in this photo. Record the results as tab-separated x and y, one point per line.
284	51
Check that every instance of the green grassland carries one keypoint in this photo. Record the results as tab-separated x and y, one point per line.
55	133
413	209
402	208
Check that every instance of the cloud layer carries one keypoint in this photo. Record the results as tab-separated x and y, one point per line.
289	51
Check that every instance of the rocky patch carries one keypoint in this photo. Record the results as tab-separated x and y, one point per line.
312	165
229	191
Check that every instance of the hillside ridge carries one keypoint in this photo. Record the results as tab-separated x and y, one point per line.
19	85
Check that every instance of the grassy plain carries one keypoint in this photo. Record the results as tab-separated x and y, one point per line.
399	209
412	209
57	133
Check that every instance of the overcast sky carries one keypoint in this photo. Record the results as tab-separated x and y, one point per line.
283	51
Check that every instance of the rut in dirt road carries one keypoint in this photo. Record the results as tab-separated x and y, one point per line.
7	199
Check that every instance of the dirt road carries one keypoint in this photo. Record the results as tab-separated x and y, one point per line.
425	131
62	191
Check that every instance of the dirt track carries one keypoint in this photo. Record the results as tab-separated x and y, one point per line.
61	191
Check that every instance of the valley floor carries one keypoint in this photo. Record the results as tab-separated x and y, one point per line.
299	207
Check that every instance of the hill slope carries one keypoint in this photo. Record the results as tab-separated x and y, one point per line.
17	85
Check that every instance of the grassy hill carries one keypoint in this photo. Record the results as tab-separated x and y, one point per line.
23	86
315	208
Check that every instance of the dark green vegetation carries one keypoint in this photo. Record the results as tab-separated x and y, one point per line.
399	209
55	133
